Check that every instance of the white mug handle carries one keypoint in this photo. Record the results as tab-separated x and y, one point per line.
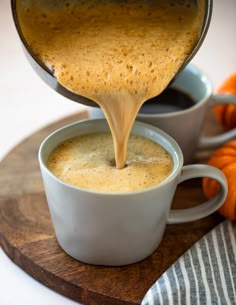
215	141
206	208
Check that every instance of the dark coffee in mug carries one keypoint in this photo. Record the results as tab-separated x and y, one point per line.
170	100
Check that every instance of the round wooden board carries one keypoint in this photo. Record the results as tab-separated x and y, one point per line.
27	236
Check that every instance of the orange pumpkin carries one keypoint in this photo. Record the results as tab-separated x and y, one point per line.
224	158
226	113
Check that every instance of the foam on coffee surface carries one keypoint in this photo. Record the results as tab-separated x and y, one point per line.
88	162
117	53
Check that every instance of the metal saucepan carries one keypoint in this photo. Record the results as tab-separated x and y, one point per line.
47	75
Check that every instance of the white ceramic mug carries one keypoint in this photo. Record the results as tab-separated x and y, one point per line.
185	125
120	228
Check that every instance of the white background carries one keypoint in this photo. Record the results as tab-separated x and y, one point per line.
27	104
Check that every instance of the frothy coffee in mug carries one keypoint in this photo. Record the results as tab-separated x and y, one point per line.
117	53
88	161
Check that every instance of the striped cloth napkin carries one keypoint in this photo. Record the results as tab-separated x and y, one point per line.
204	275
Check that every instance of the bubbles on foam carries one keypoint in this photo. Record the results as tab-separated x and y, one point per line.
67	4
44	15
185	3
130	68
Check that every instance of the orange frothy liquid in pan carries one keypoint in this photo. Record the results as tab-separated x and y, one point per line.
117	53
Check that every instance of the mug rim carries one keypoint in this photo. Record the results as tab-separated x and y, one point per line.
176	154
203	77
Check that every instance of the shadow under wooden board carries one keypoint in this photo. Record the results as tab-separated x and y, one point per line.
27	236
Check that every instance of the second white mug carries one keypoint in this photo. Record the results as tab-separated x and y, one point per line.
185	124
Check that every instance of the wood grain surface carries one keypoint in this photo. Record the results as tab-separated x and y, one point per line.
27	236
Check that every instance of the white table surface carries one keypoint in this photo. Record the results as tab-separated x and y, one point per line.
27	104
